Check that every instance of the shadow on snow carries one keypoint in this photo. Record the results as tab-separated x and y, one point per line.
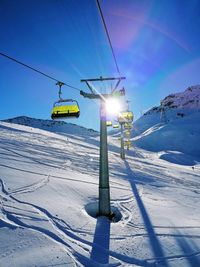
101	240
153	239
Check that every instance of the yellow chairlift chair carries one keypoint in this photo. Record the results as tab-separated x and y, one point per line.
127	126
128	147
109	123
127	143
126	116
116	126
127	133
65	108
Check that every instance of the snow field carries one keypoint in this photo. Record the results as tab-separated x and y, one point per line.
46	181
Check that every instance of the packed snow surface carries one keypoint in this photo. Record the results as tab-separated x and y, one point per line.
49	181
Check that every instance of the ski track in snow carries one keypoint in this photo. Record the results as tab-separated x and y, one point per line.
30	188
66	236
62	230
18	213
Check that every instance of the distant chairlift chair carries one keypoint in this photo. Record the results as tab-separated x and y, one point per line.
125	117
109	123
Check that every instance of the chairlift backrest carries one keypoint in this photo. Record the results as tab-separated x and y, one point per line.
127	133
115	126
109	123
127	126
65	108
126	116
127	142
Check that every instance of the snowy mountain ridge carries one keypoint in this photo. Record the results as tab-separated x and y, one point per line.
188	101
172	126
52	126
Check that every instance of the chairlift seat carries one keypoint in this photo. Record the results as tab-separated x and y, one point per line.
127	143
61	110
127	126
109	123
115	126
127	133
126	116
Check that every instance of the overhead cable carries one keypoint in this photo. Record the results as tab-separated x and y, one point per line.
108	36
38	71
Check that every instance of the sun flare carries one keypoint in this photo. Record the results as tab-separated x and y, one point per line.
113	106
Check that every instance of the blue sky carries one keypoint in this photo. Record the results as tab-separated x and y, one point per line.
156	44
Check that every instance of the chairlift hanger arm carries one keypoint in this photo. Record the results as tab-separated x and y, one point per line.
60	84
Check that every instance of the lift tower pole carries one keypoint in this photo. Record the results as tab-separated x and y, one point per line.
104	188
122	152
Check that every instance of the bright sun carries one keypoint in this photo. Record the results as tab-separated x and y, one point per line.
113	106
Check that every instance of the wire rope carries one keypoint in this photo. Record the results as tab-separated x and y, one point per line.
38	71
108	36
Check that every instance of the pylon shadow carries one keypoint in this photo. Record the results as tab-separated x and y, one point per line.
101	241
153	239
190	250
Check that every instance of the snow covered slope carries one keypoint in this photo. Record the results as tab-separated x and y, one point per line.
174	125
49	180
